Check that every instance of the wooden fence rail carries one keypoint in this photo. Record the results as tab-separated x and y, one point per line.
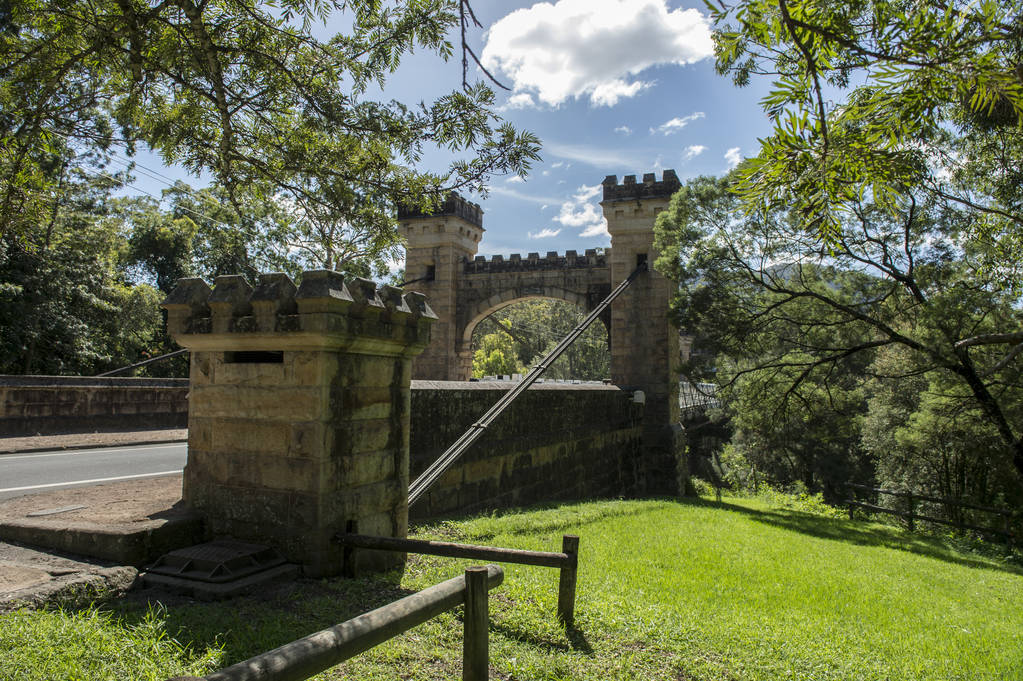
567	561
910	515
306	657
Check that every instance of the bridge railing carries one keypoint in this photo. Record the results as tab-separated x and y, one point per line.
697	398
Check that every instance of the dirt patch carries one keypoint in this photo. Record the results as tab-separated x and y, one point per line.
116	503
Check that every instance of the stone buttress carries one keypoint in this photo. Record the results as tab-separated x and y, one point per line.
299	410
644	344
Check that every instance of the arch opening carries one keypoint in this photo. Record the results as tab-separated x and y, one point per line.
512	337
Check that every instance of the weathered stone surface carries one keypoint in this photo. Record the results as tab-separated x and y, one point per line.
553	443
299	410
53	404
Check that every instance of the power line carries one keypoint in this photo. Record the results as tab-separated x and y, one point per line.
156	176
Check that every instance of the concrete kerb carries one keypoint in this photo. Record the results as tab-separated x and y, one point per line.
51	448
90	440
127	523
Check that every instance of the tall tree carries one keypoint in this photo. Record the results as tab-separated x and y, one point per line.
244	91
878	100
65	307
895	123
791	308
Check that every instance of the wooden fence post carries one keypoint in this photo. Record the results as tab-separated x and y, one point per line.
475	637
912	511
566	583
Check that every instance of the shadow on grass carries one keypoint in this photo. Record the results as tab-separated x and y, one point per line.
855	532
576	638
564	515
251	624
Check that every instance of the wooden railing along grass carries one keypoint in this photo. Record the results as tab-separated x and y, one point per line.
1006	531
306	657
567	561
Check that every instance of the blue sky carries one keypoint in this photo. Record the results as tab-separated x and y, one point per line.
611	87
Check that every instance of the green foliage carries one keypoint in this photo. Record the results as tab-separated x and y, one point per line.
65	306
929	438
525	332
881	101
160	245
791	327
246	92
495	355
752	589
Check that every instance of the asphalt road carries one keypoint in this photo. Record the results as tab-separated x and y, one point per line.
43	471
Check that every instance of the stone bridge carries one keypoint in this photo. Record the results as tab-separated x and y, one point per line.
464	288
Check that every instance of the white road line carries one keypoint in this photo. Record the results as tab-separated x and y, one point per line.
102	450
89	482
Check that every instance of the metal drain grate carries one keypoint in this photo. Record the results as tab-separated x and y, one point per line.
219	561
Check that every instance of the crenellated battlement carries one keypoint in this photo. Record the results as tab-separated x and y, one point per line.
649	188
335	311
533	261
454	205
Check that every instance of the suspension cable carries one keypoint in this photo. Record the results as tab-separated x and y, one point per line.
420	485
144	363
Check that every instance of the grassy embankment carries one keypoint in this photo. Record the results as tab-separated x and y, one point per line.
744	590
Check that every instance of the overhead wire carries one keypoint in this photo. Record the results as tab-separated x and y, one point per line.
156	176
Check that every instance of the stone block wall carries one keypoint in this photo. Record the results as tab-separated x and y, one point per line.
645	345
555	443
299	410
31	405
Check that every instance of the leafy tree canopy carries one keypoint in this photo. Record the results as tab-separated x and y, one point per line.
791	318
244	91
526	331
886	102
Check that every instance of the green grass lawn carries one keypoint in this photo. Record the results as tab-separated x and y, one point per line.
746	589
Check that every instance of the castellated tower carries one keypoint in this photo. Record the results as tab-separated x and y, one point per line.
644	344
437	246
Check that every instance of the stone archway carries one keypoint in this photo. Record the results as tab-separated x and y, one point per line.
579	303
441	262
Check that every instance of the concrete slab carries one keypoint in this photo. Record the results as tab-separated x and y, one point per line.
131	522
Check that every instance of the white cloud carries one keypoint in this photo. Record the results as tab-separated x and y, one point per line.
521	196
585	193
513	179
595	156
676	124
580	211
608	94
733	156
623	130
592	48
558	164
579	214
544	207
544	233
521	100
693	150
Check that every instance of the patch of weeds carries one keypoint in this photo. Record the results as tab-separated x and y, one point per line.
93	644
